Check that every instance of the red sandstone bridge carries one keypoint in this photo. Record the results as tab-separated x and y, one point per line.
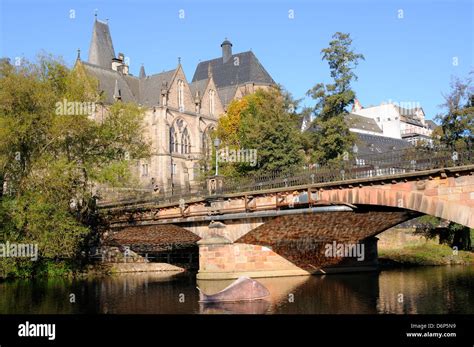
281	225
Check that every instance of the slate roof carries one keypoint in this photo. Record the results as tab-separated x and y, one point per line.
374	144
101	49
198	86
146	90
106	79
363	123
228	74
411	120
226	94
150	87
408	115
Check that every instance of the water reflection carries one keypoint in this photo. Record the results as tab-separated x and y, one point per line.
423	290
255	307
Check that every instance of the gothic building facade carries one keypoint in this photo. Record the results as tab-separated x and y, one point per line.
179	114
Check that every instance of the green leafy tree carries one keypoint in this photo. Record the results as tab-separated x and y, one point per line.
264	121
332	137
457	123
51	156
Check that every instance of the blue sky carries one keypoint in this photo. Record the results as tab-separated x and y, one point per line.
409	59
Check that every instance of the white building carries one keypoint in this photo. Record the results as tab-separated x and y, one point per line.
393	121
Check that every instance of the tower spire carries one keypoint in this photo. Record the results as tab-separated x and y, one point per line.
142	73
101	49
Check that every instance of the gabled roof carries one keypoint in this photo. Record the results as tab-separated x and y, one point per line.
409	115
411	120
145	91
362	123
101	49
150	87
107	79
374	144
242	68
198	86
226	94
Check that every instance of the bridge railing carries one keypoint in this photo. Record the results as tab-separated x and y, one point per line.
364	166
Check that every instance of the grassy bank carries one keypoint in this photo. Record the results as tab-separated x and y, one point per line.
428	253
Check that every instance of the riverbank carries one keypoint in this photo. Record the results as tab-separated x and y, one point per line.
400	247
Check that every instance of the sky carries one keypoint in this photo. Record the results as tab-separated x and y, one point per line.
412	48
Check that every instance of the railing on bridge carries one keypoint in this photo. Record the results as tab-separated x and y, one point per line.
364	166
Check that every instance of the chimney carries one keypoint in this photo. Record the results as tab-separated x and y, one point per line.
357	106
119	65
226	50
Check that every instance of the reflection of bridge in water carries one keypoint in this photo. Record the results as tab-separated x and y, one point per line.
280	225
434	290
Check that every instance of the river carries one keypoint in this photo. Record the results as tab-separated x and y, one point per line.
424	290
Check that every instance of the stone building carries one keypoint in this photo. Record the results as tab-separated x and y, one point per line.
179	114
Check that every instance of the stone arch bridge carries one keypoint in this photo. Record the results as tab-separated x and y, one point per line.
317	221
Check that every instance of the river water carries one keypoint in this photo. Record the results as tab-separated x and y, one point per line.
427	290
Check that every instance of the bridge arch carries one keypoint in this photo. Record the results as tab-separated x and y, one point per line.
450	198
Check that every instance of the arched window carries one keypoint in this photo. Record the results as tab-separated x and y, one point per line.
180	140
185	142
207	141
181	94
212	94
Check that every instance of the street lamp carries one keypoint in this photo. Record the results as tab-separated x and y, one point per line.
355	149
171	158
217	142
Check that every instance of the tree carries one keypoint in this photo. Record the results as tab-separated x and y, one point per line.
332	137
266	122
50	160
454	235
457	123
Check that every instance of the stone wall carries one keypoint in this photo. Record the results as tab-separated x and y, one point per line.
222	260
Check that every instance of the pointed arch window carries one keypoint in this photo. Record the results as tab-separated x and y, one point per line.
207	141
185	142
181	95
212	101
180	139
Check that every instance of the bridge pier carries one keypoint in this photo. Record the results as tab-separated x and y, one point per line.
220	258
